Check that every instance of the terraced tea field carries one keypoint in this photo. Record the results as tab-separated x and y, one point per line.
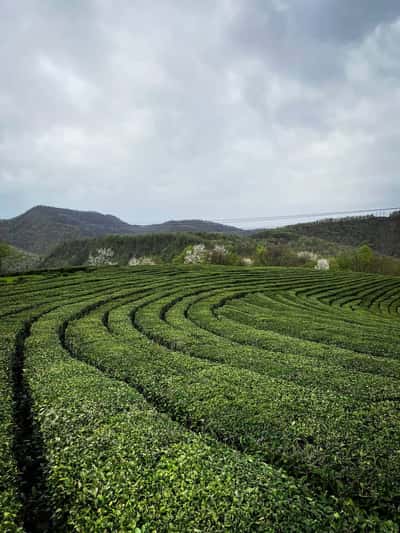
200	399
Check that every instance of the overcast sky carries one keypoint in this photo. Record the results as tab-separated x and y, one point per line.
152	110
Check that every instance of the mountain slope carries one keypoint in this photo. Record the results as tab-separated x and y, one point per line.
42	228
15	260
382	234
167	247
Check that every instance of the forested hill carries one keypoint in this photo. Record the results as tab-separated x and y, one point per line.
382	234
42	228
14	260
278	248
164	246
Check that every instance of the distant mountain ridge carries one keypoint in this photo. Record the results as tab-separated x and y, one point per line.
41	228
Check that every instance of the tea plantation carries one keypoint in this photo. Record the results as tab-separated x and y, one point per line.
199	399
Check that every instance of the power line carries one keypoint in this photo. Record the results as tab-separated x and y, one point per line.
307	215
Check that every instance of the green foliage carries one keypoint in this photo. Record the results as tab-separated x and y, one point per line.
296	242
380	233
5	251
365	260
167	246
14	260
228	257
278	255
172	398
10	505
205	402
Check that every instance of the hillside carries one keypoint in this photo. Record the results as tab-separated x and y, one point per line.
169	247
42	228
68	237
382	234
298	242
164	246
15	260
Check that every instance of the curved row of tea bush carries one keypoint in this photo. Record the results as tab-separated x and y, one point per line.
117	464
257	413
20	307
10	505
201	311
177	399
329	324
168	325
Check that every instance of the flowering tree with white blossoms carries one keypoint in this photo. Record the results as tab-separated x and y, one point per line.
322	264
196	254
103	256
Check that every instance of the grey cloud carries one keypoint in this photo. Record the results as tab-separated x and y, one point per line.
157	110
343	21
308	39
